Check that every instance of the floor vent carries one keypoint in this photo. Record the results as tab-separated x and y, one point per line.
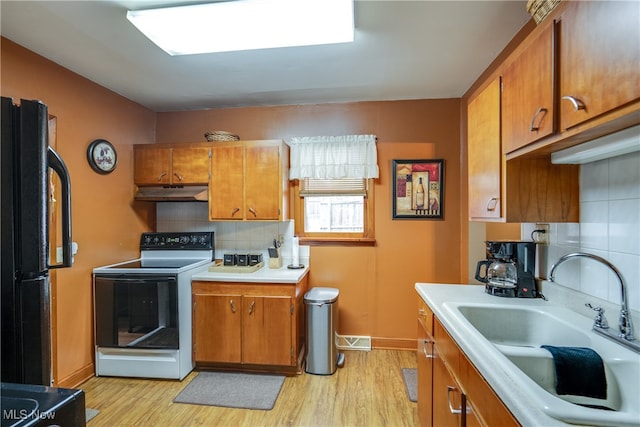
353	342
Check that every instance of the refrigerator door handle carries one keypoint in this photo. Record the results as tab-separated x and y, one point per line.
56	163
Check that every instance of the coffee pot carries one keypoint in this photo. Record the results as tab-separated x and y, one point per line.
500	273
508	270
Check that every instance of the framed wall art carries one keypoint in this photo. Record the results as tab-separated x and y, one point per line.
418	189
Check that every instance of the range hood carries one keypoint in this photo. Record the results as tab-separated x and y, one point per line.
615	144
195	193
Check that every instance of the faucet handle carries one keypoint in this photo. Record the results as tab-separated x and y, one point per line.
600	321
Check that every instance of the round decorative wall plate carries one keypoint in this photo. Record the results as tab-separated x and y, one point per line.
102	156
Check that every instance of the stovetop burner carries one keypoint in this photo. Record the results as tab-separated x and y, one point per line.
157	263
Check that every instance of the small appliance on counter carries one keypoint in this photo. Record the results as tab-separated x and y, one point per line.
509	270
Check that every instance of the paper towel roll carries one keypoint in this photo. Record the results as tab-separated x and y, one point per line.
295	251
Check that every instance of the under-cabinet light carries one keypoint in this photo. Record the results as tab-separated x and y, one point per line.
246	24
615	144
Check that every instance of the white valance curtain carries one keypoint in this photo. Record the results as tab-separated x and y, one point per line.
333	157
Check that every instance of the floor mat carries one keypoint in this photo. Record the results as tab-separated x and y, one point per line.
232	390
410	377
90	413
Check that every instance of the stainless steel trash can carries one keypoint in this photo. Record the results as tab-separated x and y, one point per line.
322	324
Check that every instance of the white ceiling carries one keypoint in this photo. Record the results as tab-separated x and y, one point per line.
402	50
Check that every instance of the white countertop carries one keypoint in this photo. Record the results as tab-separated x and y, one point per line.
263	275
510	391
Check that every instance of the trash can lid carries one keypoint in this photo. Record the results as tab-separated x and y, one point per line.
325	295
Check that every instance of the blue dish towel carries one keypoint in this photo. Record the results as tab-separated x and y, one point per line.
579	371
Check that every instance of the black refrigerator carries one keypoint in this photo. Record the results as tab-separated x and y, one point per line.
26	162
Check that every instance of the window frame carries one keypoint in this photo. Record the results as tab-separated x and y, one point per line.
364	238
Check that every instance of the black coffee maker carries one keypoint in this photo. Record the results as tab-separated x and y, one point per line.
509	270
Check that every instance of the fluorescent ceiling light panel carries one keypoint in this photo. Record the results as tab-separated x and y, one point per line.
246	24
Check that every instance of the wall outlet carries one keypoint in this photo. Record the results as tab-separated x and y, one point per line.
541	234
281	238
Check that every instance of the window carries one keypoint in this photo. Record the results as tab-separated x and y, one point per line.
334	210
333	191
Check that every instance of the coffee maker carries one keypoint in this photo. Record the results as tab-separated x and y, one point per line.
509	270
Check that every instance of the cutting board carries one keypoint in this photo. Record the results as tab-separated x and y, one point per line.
221	268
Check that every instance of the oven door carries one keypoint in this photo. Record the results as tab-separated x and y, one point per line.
136	311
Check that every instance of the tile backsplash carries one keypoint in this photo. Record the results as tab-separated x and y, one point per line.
230	237
609	227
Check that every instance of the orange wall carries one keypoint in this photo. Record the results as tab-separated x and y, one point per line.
106	222
377	296
376	283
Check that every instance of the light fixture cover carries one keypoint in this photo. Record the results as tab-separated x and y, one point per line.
246	24
615	144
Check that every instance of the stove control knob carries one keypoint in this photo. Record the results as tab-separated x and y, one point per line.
184	240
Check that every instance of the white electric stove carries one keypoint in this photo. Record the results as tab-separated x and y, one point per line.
142	307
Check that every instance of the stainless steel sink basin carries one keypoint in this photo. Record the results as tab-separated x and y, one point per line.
512	335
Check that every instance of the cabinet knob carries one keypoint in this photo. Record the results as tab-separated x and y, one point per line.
235	211
535	126
162	175
253	211
233	306
251	306
577	104
177	175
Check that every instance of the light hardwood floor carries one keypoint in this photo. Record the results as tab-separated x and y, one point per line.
367	391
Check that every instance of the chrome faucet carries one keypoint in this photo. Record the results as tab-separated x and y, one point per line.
625	335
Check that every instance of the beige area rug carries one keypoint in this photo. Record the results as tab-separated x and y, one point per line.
232	390
410	377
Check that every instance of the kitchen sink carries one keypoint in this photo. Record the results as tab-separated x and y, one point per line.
512	336
523	326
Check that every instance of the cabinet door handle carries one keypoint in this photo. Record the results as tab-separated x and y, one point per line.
577	104
253	211
162	175
253	303
233	306
177	175
492	204
535	127
427	354
235	211
451	408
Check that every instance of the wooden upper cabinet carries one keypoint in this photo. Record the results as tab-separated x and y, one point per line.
152	166
190	165
249	181
528	93
226	185
518	190
263	182
599	58
485	160
171	165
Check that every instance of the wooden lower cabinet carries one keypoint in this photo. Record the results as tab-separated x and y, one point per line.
451	392
425	364
256	327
